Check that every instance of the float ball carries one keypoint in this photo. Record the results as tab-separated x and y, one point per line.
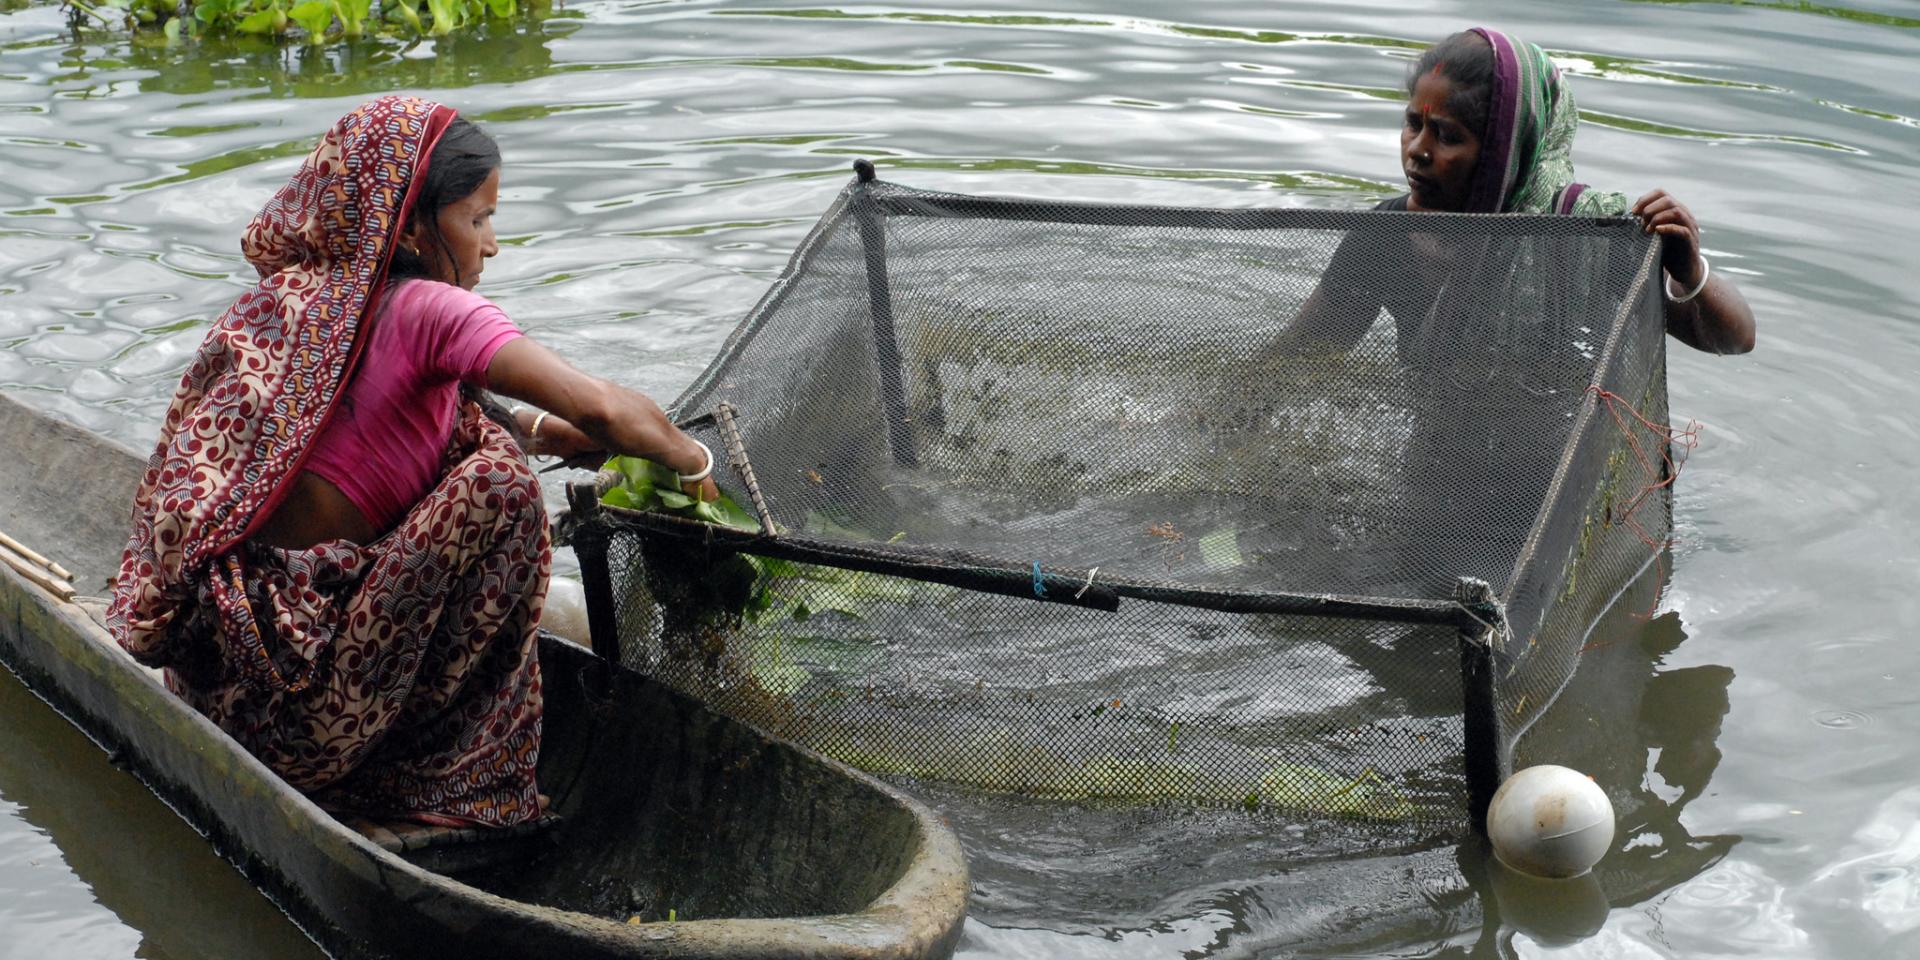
1550	821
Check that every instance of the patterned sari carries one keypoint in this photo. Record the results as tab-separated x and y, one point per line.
397	678
1526	157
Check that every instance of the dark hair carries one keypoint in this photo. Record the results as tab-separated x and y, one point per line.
459	164
1466	59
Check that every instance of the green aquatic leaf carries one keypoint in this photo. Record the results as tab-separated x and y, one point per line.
445	15
1221	548
1310	788
646	485
406	11
313	16
353	15
782	678
259	22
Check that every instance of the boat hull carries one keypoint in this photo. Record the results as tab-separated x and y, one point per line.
699	813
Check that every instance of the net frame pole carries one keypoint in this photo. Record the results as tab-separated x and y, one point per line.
590	538
1483	747
886	345
1480	728
590	546
725	418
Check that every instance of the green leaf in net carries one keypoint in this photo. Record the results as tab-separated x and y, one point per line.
1221	548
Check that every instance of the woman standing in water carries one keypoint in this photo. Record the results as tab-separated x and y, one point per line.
1489	128
1482	325
336	555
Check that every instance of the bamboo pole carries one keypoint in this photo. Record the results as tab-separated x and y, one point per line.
38	573
24	551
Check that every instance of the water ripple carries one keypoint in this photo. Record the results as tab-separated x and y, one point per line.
980	20
666	158
1842	719
1802	6
837	64
1875	114
1636	125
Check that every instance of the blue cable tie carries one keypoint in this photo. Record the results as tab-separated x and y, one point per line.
1039	585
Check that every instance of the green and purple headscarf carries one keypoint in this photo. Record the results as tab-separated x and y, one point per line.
1526	156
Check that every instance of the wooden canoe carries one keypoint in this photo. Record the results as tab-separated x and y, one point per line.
752	846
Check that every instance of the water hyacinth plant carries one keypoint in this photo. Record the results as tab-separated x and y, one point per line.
781	588
314	21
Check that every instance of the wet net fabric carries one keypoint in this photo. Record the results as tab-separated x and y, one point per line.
1145	502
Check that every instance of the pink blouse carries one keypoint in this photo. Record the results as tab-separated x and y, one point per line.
384	443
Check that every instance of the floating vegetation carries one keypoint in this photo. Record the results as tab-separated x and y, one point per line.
713	599
314	22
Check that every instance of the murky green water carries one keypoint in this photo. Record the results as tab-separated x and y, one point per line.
663	159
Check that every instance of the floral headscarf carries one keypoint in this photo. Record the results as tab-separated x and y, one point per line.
268	374
1526	157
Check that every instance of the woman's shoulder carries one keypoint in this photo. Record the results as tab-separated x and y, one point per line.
1393	203
429	315
422	294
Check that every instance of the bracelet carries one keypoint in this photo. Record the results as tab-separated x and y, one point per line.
1706	270
534	433
703	474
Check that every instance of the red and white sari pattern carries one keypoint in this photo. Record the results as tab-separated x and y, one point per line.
394	678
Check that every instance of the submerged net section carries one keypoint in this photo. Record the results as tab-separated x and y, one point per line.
1241	458
1607	520
1153	700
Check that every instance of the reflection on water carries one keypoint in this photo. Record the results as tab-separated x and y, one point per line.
664	158
1163	880
495	52
91	865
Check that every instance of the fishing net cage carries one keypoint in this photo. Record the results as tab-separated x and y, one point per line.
1133	502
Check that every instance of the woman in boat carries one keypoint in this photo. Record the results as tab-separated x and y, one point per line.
1488	128
337	555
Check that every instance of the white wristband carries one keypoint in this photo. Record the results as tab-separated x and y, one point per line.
1706	270
705	472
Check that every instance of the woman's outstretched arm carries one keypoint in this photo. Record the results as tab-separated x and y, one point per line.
1717	318
586	413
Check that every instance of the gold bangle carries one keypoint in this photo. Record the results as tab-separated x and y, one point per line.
534	432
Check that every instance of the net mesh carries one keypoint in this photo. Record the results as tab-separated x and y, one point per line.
1243	457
